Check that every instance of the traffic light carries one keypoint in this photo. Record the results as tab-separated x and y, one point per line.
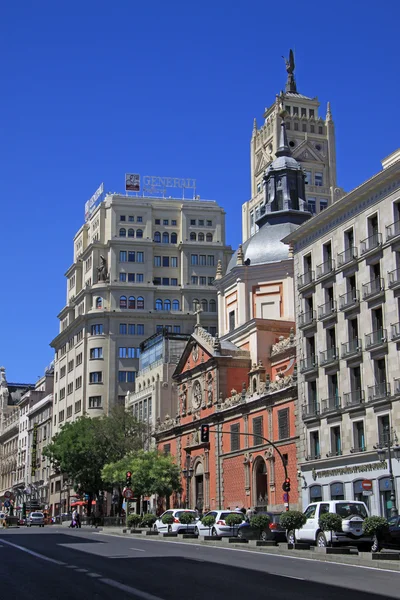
286	485
128	479
205	434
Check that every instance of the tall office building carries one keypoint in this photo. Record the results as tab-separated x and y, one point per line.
312	143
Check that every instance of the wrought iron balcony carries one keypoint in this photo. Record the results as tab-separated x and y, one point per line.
331	404
378	391
371	243
373	288
375	339
329	356
326	310
395	333
358	449
346	257
307	318
392	230
351	348
349	300
354	398
325	268
396	387
311	410
306	279
394	278
313	456
308	364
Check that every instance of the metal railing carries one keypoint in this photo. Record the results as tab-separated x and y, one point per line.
396	386
352	347
353	398
328	356
350	254
373	287
305	279
307	318
331	404
375	338
327	309
395	333
394	278
378	391
370	243
308	364
325	268
349	300
392	230
310	410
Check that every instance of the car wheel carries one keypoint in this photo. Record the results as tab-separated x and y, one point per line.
155	528
214	532
376	546
291	538
240	534
264	536
321	540
169	528
196	530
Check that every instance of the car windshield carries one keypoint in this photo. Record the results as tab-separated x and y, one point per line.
351	509
37	515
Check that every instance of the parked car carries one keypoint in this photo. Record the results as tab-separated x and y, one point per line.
273	532
35	518
352	514
176	526
220	527
391	539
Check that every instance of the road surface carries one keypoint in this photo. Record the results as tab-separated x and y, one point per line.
59	564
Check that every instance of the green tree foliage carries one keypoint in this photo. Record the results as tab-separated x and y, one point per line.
234	519
186	518
167	519
208	521
260	522
378	526
330	522
292	519
134	520
148	520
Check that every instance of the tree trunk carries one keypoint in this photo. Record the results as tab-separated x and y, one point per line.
89	505
167	502
120	501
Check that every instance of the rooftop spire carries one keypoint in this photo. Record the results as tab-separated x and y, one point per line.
328	113
283	148
218	274
254	127
290	83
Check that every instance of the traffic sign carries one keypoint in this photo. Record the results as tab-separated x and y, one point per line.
7	494
366	484
7	503
286	497
128	493
367	492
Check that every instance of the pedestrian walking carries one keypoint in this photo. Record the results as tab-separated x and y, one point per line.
78	520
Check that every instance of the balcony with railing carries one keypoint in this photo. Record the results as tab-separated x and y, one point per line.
349	300
373	288
326	268
392	230
352	348
371	243
395	331
328	357
325	311
348	256
380	391
310	411
331	404
396	387
307	318
353	398
308	278
394	279
376	339
308	364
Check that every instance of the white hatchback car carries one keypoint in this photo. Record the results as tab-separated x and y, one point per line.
220	527
35	518
176	526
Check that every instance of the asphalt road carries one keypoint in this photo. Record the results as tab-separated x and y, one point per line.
58	564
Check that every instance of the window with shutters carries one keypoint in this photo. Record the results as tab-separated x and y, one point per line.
283	423
235	437
257	431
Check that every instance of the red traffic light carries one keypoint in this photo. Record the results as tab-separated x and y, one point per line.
286	485
128	474
205	434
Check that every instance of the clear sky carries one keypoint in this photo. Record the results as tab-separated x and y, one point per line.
93	89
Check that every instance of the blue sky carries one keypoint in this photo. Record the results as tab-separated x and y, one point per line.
94	89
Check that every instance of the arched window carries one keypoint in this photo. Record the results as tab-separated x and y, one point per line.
157	237
122	302
99	302
204	305
200	237
192	236
139	233
165	238
212	306
122	232
131	233
132	302
174	238
175	305
140	302
167	304
159	304
195	304
209	237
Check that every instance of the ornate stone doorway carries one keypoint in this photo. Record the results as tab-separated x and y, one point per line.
199	486
260	484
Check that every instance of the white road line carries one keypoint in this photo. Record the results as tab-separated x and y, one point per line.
93	575
129	590
81	570
36	554
71	567
288	576
137	549
119	556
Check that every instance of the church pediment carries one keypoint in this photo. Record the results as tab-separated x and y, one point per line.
263	159
198	350
305	152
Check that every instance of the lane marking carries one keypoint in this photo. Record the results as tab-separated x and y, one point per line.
82	570
289	576
71	567
137	549
36	554
129	590
119	556
93	575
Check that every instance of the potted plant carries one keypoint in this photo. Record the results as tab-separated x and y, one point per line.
133	522
187	518
378	529
148	520
328	522
208	521
292	520
260	522
168	519
234	519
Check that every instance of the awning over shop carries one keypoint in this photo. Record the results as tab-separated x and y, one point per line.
81	503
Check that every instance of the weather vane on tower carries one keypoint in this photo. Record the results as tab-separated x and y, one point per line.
290	83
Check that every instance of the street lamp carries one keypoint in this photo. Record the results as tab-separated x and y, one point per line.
387	448
187	472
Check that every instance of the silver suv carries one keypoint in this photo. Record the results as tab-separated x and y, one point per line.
35	518
352	514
